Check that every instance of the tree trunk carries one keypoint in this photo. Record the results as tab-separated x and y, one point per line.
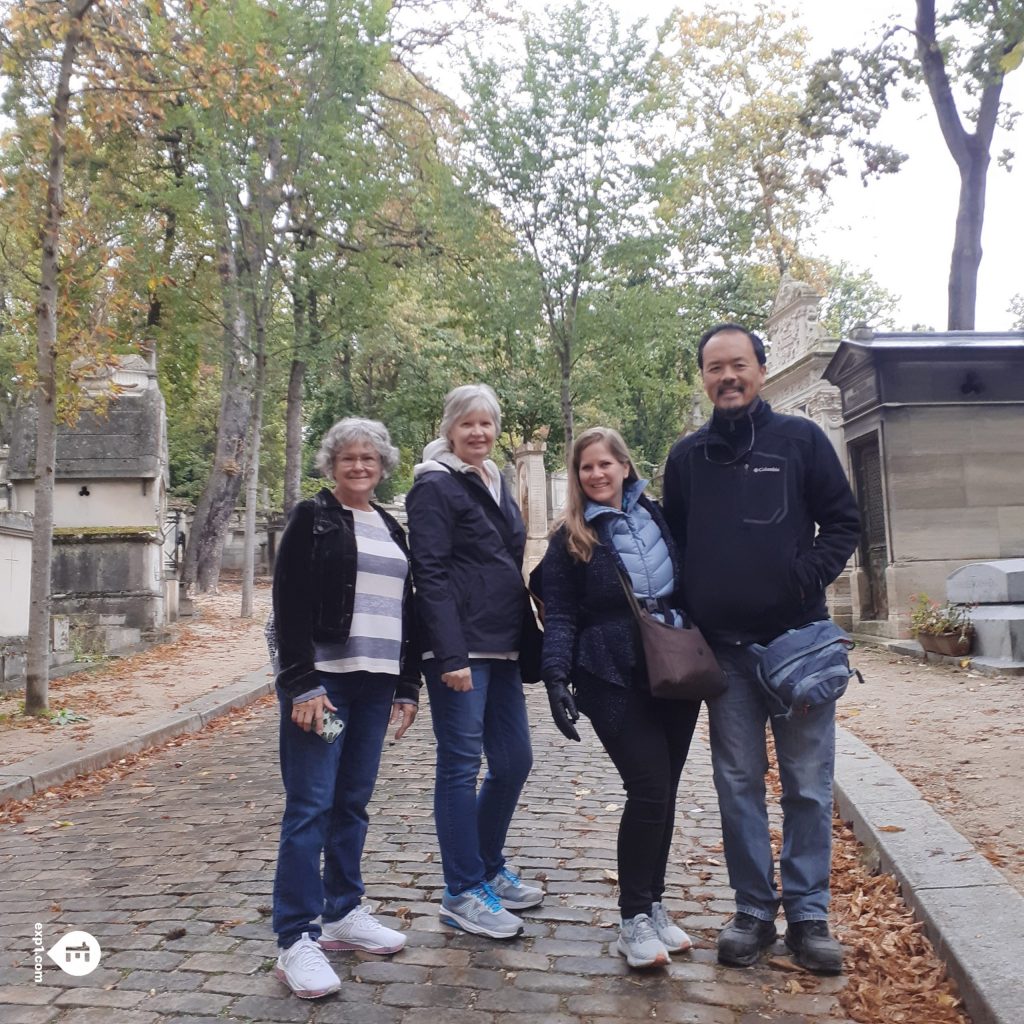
565	394
296	389
205	549
293	436
971	151
37	677
253	477
966	260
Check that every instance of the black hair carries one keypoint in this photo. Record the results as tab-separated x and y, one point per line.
758	344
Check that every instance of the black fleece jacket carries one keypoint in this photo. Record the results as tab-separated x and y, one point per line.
742	498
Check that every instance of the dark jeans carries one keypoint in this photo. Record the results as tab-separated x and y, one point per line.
327	787
648	741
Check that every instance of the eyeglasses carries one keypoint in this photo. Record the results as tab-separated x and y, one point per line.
359	460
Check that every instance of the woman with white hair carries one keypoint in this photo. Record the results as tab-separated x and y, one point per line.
348	663
467	539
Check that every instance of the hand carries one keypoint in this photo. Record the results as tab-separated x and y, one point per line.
563	709
402	715
460	680
309	715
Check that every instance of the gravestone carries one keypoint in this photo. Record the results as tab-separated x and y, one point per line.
531	490
996	590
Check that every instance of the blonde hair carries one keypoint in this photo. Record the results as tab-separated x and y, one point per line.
580	538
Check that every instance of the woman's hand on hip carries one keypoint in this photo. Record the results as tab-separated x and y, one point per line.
402	715
460	680
309	715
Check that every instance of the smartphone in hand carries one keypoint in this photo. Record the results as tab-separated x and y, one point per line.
332	727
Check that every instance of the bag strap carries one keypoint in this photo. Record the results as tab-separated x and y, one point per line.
627	586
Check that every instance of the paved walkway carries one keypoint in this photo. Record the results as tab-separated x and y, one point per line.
171	869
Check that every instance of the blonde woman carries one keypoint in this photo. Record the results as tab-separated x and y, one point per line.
613	532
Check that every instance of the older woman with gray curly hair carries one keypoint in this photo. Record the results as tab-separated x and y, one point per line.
348	663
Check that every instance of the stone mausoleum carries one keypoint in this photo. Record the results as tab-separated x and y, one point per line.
933	427
110	492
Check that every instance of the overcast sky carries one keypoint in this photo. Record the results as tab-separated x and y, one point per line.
901	227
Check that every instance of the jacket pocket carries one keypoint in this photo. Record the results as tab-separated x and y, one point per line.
766	491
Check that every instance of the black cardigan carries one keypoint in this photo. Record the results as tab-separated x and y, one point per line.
314	593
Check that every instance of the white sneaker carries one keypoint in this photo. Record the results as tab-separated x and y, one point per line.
638	942
672	936
359	929
305	970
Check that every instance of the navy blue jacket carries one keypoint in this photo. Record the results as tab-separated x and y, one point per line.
588	623
469	586
315	588
742	498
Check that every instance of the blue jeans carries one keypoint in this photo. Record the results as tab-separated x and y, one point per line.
327	787
805	749
488	720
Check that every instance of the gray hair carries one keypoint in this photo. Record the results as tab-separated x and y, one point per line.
349	431
461	401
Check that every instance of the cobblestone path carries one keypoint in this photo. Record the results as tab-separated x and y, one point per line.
171	869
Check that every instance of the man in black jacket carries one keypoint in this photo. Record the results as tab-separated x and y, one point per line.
743	496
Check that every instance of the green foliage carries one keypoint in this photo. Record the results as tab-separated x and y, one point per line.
853	297
557	139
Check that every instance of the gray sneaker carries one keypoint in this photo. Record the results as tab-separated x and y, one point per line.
509	888
638	942
672	936
478	910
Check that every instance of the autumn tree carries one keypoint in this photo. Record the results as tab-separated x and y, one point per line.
84	86
962	58
744	179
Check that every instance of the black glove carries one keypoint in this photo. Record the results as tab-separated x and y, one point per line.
563	709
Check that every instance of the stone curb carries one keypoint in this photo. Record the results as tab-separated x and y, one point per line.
969	910
34	774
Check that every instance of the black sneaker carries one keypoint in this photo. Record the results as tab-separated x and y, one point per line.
814	948
744	939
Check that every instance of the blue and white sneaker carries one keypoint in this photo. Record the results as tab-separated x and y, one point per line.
508	887
479	911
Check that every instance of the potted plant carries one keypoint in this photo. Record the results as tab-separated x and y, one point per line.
941	628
